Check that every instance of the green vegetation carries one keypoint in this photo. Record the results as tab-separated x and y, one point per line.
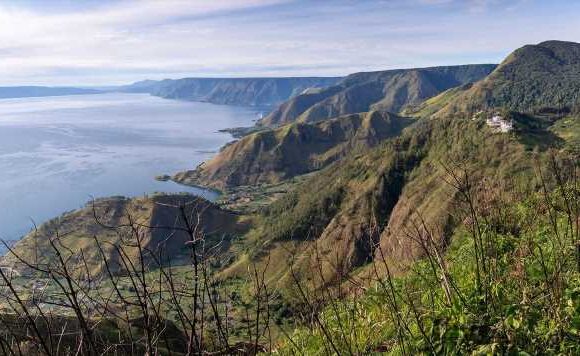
271	156
110	220
509	283
533	79
434	104
391	90
133	276
568	129
252	199
368	199
363	234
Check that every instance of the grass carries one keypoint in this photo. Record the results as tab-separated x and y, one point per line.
253	199
568	129
528	303
236	296
434	104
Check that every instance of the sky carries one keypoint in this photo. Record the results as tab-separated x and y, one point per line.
105	42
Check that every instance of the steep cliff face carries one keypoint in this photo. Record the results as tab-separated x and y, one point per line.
288	111
231	91
157	219
391	90
274	155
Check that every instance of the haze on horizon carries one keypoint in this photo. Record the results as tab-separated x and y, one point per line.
67	42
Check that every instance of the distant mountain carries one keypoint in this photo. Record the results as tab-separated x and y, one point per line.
533	78
391	90
38	91
274	155
231	91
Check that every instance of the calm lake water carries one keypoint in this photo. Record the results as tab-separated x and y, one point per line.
57	153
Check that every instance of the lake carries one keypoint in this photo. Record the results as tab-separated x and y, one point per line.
56	153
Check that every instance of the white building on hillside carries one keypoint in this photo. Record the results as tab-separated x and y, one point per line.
498	123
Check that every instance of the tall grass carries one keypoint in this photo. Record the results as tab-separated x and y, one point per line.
508	283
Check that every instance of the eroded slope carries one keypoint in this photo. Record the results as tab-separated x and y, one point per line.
274	155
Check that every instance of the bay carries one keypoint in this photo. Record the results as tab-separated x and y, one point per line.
57	153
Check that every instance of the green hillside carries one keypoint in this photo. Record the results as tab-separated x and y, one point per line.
390	90
161	233
534	78
371	199
339	218
272	156
507	284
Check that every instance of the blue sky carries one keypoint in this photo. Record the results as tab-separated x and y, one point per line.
75	42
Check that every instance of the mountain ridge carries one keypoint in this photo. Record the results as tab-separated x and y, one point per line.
271	156
231	91
532	78
161	231
390	90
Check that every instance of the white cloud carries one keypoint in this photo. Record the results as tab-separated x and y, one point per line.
129	35
126	41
